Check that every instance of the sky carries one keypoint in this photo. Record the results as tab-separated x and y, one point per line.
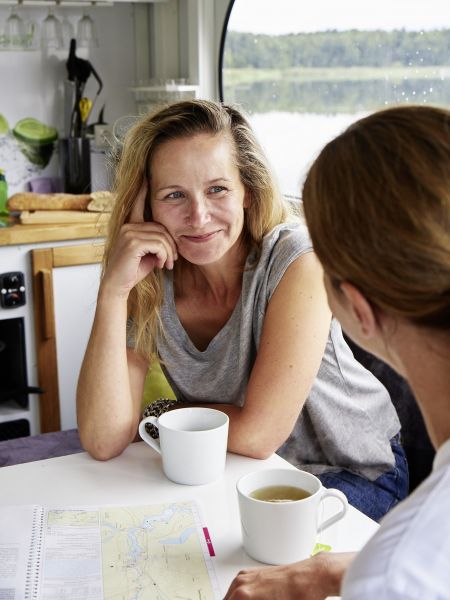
295	16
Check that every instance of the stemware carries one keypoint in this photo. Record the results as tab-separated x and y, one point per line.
68	31
51	32
14	35
86	32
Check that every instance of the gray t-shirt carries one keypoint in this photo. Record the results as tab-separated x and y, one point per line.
348	418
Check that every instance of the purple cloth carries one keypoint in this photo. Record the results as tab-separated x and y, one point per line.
39	447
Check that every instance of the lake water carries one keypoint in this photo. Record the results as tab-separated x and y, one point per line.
295	119
292	141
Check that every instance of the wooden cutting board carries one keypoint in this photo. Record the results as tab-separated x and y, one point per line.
62	216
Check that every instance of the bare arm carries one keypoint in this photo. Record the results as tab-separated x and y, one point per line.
112	377
292	344
110	383
313	579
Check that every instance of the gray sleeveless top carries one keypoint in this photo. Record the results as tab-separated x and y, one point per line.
348	418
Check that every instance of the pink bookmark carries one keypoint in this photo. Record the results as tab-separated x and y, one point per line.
208	541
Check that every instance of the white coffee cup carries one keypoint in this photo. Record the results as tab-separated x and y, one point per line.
192	443
279	533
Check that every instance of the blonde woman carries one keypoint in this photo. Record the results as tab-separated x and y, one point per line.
377	203
217	279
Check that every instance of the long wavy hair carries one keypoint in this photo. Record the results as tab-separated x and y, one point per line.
377	204
266	208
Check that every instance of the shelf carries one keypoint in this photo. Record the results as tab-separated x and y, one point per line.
153	97
67	3
11	411
166	88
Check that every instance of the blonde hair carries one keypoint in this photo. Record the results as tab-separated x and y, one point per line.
377	204
266	206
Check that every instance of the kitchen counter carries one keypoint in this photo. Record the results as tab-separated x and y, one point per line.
28	234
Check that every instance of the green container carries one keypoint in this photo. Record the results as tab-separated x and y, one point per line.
35	140
3	195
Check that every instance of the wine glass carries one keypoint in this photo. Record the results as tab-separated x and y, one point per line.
86	32
51	32
68	31
14	30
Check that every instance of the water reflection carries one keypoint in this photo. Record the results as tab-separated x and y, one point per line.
295	119
333	97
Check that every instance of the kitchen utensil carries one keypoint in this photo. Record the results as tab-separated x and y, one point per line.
85	109
79	70
75	165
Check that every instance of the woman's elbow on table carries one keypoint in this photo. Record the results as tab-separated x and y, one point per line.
104	448
257	444
258	453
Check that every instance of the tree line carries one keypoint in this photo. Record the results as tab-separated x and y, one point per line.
351	48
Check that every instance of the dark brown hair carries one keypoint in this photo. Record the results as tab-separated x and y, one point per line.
377	204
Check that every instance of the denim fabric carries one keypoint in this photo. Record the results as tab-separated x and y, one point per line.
374	498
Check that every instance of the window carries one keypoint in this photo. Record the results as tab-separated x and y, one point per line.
303	71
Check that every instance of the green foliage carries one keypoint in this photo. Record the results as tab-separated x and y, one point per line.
329	49
336	71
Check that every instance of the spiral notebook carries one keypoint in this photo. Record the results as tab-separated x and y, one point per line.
101	553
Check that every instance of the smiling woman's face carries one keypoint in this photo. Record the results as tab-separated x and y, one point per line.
197	194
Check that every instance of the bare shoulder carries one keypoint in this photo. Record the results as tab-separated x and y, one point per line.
304	275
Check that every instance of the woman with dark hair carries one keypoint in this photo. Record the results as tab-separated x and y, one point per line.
377	204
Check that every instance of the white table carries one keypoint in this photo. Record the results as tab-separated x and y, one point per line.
136	477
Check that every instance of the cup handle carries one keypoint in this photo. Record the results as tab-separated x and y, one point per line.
146	437
339	515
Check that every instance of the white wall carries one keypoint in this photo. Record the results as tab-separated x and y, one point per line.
32	81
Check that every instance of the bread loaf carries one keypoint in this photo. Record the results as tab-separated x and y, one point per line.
33	201
101	202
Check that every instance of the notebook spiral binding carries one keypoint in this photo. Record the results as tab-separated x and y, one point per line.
34	557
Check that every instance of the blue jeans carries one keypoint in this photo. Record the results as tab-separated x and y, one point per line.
374	498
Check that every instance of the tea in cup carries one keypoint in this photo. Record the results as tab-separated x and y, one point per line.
192	443
280	493
279	510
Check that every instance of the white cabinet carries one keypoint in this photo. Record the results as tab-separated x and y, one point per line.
73	322
57	325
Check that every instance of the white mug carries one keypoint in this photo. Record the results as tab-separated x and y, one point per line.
279	533
192	443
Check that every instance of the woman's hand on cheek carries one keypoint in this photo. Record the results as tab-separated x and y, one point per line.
140	247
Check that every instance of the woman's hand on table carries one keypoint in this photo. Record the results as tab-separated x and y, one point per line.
313	579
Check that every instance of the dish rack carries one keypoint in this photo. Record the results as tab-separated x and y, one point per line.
154	96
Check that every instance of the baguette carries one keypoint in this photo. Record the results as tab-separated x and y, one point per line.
33	201
101	202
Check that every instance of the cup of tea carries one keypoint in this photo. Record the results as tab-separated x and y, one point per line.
279	510
192	443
